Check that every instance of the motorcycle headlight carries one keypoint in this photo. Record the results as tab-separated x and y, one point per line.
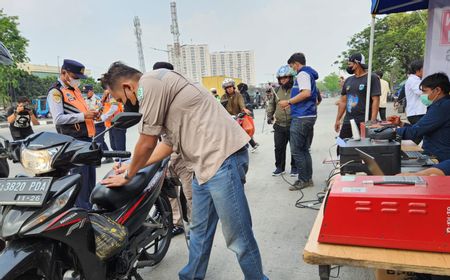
38	161
56	204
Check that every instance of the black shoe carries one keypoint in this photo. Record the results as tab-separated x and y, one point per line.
177	230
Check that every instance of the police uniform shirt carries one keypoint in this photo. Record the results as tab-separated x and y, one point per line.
196	126
55	103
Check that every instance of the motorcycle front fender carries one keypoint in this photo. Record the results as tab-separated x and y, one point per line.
21	256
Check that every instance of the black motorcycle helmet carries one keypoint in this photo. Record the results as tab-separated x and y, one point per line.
5	56
242	87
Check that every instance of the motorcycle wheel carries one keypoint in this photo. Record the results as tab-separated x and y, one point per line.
161	212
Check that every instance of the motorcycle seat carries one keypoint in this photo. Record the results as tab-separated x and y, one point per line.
113	198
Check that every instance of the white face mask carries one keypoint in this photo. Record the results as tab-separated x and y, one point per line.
75	83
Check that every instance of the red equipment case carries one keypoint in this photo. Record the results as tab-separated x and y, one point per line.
413	217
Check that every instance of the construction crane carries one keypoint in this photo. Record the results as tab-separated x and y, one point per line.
138	33
176	36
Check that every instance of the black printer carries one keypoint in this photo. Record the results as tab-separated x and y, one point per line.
387	154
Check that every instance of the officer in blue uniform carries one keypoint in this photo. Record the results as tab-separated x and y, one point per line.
72	117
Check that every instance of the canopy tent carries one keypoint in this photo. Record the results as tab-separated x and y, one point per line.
397	6
387	7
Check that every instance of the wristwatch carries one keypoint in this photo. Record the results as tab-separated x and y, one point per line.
125	175
289	102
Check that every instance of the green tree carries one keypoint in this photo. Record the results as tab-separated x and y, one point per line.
91	81
10	36
331	82
399	40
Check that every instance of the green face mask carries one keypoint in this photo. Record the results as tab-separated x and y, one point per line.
424	98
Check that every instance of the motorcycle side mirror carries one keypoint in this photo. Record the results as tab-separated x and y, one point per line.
126	119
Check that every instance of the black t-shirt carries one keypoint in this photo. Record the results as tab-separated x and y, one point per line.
21	127
355	88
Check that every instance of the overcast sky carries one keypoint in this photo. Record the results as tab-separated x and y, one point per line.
98	32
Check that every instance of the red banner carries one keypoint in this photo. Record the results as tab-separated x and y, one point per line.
445	34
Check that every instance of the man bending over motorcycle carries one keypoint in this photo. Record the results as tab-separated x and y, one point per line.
192	124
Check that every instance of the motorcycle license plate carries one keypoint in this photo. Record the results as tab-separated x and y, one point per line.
24	191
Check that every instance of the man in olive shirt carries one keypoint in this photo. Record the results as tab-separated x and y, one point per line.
282	123
210	143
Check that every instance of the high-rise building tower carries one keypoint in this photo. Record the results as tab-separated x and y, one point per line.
176	36
138	33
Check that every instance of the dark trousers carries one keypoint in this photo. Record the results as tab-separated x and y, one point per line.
301	133
346	131
117	139
252	142
413	120
88	178
281	139
382	113
99	128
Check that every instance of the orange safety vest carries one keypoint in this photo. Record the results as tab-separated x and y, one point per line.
106	108
73	103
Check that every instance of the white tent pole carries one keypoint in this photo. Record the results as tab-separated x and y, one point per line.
369	74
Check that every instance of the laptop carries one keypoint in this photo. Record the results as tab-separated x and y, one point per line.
372	165
374	169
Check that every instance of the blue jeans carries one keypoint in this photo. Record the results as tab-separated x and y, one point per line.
302	130
223	197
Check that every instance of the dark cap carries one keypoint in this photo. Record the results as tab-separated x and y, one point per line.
358	58
87	88
162	65
74	67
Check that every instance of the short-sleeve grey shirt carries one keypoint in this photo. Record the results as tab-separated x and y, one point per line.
194	123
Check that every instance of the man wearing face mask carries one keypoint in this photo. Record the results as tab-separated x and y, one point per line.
213	147
282	118
72	117
434	126
353	96
303	105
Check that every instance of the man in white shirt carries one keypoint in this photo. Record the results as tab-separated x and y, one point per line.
385	91
414	107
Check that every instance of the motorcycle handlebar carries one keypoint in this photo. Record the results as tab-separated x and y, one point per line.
116	154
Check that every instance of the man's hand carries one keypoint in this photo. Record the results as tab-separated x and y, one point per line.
115	181
269	120
120	168
337	126
394	120
90	115
284	104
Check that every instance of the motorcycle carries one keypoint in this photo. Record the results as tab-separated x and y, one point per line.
47	237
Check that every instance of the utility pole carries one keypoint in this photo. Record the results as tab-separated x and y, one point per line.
138	33
176	36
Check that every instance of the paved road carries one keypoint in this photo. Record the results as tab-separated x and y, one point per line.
281	229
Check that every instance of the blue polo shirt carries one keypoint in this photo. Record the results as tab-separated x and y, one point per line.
434	127
444	166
